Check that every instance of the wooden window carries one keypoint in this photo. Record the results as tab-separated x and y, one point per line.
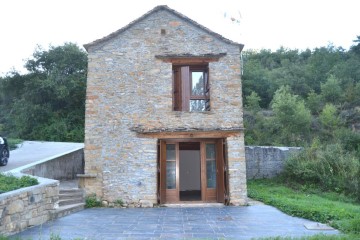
191	88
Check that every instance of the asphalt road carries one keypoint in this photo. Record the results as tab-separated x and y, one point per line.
31	151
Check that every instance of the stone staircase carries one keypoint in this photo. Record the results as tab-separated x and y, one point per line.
70	200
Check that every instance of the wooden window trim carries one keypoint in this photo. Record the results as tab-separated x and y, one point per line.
182	86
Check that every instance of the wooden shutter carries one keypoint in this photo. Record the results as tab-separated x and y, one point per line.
226	174
220	183
207	90
185	90
177	89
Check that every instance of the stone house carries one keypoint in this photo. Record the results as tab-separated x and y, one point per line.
164	116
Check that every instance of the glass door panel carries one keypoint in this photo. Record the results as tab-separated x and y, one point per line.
210	165
170	166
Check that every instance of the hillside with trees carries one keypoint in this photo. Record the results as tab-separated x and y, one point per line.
309	99
292	96
48	102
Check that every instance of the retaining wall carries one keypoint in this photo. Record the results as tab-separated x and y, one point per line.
60	167
28	206
266	162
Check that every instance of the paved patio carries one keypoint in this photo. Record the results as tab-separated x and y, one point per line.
174	223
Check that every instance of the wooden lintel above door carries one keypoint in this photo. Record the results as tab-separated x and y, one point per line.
190	135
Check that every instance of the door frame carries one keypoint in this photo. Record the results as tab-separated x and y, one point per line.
219	194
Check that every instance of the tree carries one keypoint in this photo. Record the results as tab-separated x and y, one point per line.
329	119
291	117
314	102
49	103
331	90
252	102
356	48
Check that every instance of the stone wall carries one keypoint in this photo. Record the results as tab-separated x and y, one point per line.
128	87
266	162
237	170
27	207
62	167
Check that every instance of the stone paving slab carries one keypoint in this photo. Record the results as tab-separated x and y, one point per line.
174	223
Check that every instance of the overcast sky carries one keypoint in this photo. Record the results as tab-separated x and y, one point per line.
259	24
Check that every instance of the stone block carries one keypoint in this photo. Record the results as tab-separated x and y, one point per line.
38	220
16	206
146	204
52	191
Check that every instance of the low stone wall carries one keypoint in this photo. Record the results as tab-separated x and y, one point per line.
266	162
62	167
28	206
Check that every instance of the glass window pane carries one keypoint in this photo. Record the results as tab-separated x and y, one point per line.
170	174
198	105
170	152
210	151
211	173
197	83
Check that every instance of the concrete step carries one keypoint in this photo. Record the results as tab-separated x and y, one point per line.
66	210
71	191
64	196
64	202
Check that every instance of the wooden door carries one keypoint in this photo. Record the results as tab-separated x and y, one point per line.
209	166
169	172
213	171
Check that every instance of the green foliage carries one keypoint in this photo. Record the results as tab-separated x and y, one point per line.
315	237
331	90
48	103
330	167
92	201
9	183
326	79
252	102
55	236
329	119
13	142
302	203
291	116
314	102
350	140
119	202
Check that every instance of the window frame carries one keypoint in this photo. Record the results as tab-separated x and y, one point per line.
182	87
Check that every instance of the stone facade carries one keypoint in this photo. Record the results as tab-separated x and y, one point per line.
28	207
129	87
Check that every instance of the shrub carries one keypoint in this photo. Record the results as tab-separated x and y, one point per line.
92	201
13	142
119	202
9	182
329	167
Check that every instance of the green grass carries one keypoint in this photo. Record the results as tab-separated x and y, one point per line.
9	183
315	237
338	211
13	142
